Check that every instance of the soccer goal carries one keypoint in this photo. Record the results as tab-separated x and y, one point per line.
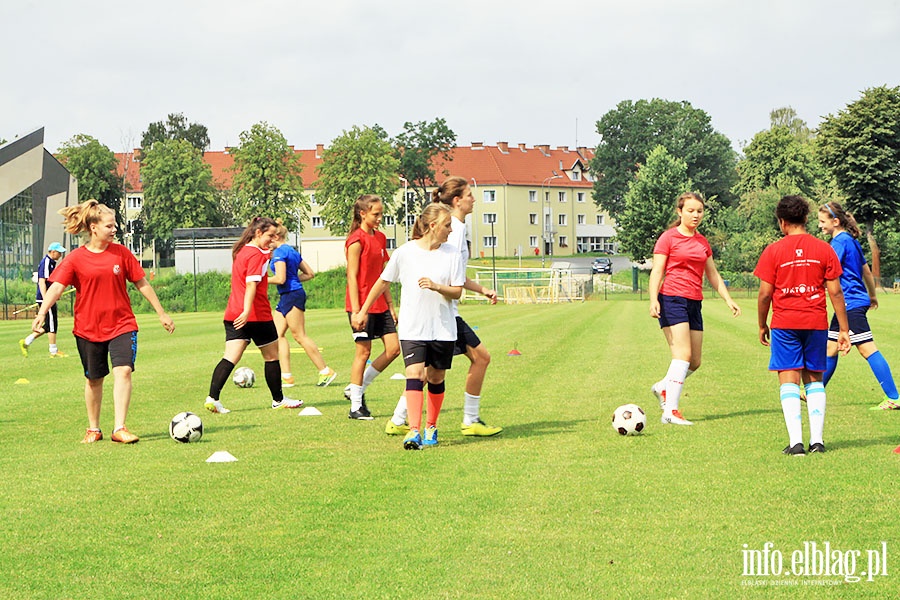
530	285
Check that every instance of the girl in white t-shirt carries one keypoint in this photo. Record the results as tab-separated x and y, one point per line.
431	276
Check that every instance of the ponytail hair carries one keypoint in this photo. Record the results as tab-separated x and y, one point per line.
453	187
281	231
433	213
836	211
363	204
679	204
79	218
256	224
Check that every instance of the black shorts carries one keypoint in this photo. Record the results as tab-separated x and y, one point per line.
51	321
261	333
676	309
437	354
465	337
860	332
377	325
121	351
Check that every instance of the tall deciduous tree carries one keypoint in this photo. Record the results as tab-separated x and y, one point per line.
359	161
776	158
176	127
860	146
649	201
631	130
94	166
268	177
178	189
418	148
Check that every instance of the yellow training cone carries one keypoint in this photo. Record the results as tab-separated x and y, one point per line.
22	380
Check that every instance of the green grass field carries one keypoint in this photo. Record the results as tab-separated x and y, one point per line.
557	505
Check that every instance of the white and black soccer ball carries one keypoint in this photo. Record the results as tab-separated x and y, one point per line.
244	377
629	419
186	427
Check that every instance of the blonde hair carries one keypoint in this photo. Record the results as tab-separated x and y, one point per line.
79	218
363	204
281	231
433	213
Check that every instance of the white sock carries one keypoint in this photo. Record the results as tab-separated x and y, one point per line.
470	408
675	382
815	406
356	392
53	349
399	417
790	406
325	371
369	376
30	339
285	375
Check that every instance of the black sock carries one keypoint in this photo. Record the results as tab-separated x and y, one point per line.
273	379
220	377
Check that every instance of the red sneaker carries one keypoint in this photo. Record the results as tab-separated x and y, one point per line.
123	436
92	435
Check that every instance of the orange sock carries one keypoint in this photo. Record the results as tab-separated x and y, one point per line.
414	401
435	401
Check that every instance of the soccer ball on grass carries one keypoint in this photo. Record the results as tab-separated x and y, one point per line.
186	427
244	377
629	419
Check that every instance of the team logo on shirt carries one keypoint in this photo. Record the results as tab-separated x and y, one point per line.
799	252
116	269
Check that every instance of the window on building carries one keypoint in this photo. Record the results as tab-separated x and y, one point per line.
318	223
489	218
387	220
576	175
312	200
582	220
490	241
532	218
562	220
532	195
391	243
410	220
580	196
599	219
562	196
532	241
563	241
490	196
135	202
411	197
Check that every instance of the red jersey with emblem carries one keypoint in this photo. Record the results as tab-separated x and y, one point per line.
685	265
102	306
250	264
371	264
798	266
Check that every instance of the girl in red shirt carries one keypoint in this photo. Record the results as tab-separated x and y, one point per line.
105	328
682	255
248	316
366	250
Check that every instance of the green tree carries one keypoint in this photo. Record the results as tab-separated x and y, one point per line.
786	116
775	157
268	177
419	147
631	130
176	127
359	161
649	202
178	189
94	166
860	146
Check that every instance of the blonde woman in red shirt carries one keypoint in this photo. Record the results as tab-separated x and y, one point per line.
105	328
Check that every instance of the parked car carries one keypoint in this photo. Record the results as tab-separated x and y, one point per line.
602	264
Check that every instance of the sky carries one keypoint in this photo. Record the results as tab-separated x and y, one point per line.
496	70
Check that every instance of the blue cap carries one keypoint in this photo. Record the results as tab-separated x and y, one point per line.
56	246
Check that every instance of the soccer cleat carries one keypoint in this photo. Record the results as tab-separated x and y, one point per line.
59	354
24	348
795	450
362	414
660	396
393	429
123	436
287	382
92	435
897	450
412	441
286	402
326	378
478	428
817	447
430	437
887	404
214	406
675	418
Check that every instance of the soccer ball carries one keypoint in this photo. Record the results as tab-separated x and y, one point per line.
629	419
244	377
186	427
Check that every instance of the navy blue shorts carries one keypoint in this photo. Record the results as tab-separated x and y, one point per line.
796	349
291	300
437	354
121	351
465	337
860	332
261	333
377	325
676	309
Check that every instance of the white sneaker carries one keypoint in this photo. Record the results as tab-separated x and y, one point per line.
674	418
286	403
661	396
214	406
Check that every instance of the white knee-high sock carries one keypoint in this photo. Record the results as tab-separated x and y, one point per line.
790	406
675	382
400	413
369	376
815	406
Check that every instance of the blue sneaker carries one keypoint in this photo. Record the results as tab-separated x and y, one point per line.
430	437
412	441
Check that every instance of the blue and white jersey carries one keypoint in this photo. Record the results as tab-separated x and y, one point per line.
45	267
850	254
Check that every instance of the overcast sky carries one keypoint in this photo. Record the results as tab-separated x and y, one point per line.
514	71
